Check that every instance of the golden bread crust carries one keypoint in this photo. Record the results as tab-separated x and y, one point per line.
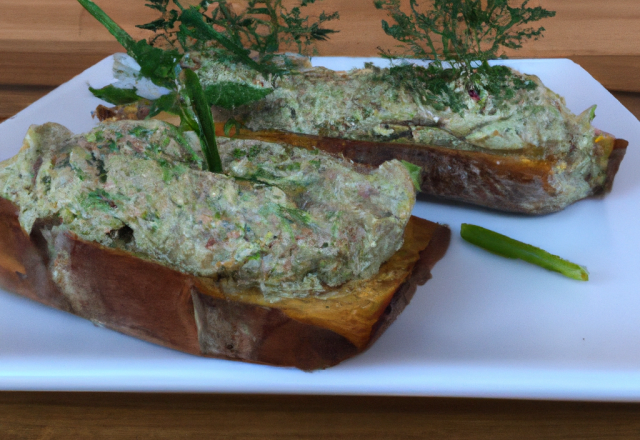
149	301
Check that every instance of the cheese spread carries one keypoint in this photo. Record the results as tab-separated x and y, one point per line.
284	219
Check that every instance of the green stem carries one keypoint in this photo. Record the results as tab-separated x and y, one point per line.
120	34
205	121
510	248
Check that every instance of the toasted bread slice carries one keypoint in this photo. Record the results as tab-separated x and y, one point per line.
144	299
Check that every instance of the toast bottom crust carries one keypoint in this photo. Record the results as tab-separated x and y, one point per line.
199	315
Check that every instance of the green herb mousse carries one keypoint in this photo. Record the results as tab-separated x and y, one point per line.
506	113
288	221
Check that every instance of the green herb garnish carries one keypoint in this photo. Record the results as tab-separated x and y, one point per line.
264	27
162	67
156	64
115	95
459	37
466	33
508	247
205	121
228	95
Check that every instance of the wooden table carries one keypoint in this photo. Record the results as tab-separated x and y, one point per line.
169	416
43	44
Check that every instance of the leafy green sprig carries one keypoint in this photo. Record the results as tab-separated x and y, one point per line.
464	33
162	67
263	29
156	64
431	85
459	37
252	36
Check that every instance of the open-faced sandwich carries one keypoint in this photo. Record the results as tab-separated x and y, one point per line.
522	152
291	257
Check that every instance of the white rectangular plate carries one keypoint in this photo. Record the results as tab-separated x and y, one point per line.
484	326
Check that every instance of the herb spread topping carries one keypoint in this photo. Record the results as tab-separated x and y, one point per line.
282	219
521	117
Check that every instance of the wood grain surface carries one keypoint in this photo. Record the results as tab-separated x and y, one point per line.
47	43
54	416
44	43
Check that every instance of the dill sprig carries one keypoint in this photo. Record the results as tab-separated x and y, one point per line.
262	29
463	33
459	37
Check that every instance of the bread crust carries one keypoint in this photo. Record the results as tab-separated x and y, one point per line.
197	315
